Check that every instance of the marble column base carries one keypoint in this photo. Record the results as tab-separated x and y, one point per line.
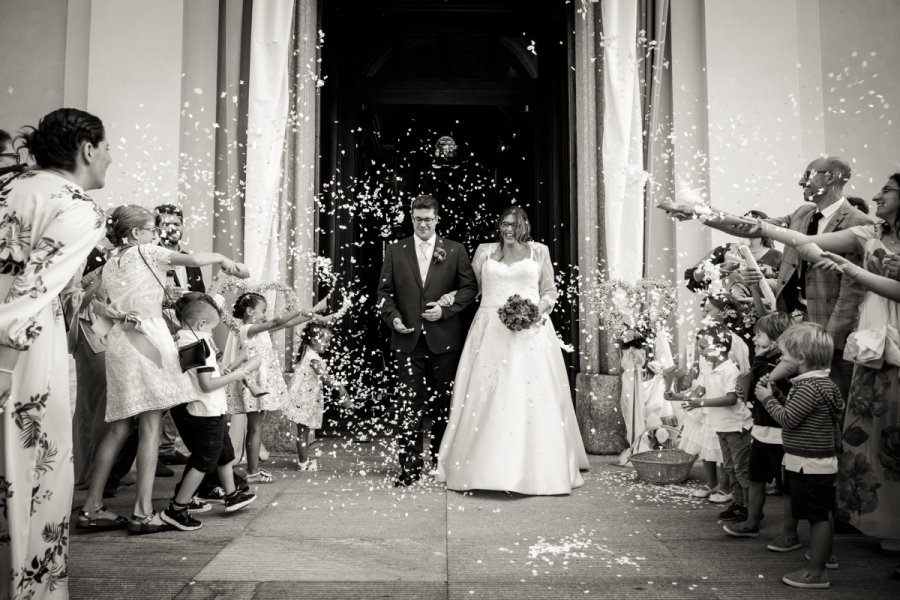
597	401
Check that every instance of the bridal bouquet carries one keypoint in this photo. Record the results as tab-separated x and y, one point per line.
519	313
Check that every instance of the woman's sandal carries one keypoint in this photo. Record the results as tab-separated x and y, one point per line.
100	520
152	523
260	477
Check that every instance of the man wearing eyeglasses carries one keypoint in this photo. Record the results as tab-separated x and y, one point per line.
170	226
825	297
426	335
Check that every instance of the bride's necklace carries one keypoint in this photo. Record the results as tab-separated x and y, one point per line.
891	239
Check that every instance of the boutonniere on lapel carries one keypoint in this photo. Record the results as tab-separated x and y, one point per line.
440	253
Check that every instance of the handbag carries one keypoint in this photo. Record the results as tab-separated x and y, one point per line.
192	355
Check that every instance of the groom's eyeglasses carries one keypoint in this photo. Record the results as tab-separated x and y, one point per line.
421	221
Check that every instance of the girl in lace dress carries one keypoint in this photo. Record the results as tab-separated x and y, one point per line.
143	374
306	399
267	389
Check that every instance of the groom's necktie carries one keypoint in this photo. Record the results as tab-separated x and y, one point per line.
423	260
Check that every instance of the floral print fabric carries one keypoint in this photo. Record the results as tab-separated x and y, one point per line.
48	226
868	483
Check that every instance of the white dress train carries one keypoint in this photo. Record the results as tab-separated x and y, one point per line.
512	424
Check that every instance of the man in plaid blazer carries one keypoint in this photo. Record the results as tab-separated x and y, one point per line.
826	297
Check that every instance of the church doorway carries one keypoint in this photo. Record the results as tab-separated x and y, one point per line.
466	100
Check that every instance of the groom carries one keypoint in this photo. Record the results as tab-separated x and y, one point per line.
425	337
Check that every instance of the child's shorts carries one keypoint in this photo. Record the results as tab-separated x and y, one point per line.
765	463
812	496
206	437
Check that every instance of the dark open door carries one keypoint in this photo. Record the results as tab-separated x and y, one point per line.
399	76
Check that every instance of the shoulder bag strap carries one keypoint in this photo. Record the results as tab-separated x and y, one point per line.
166	292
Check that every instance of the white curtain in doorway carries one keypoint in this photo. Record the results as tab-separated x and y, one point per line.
270	48
622	151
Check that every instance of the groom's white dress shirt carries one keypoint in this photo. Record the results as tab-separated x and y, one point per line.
424	252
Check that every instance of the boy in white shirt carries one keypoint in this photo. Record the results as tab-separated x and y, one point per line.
202	423
728	417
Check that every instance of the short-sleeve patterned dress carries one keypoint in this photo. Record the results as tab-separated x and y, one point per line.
306	401
269	376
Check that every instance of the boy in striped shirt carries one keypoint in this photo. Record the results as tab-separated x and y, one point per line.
811	435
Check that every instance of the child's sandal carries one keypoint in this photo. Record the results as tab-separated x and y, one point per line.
260	477
100	520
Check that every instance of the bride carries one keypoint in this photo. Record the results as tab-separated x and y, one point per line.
512	426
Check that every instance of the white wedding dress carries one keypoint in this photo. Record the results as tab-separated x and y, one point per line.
512	425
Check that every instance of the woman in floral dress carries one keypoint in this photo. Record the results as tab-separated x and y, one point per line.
48	226
143	375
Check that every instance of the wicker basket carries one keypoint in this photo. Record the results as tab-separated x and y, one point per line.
666	465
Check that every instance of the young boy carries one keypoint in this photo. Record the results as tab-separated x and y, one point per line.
810	435
202	423
725	415
766	451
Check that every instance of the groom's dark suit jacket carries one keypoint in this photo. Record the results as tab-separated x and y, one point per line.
402	294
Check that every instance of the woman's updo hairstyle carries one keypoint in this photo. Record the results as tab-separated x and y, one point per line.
245	302
55	142
123	219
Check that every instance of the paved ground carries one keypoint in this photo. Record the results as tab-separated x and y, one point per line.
346	533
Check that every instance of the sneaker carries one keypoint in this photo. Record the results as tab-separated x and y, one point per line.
719	497
831	563
163	471
216	494
198	506
741	529
735	512
804	579
240	484
238	500
785	543
310	465
180	519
